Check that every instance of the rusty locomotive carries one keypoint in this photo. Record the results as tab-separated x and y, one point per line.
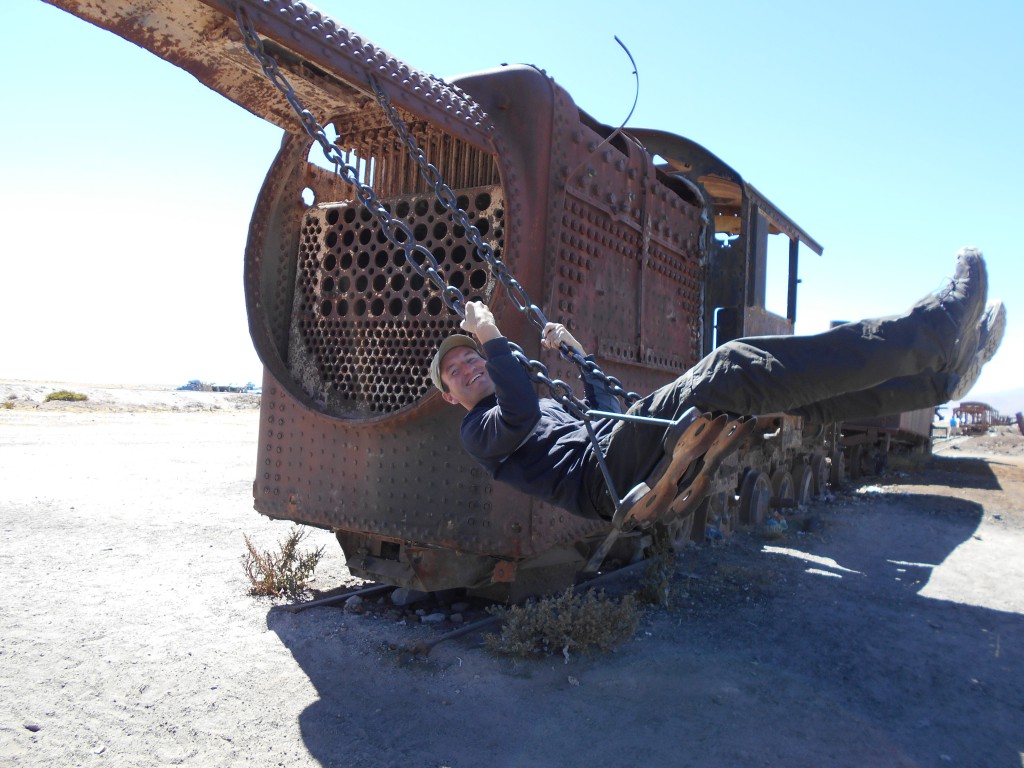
647	246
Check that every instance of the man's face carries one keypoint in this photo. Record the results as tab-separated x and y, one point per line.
464	372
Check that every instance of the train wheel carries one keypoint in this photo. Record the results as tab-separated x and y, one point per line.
880	461
718	522
820	472
783	489
856	462
868	461
837	474
755	497
803	484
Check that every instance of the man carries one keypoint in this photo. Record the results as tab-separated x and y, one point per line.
930	354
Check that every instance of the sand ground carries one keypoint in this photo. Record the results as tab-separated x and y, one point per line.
887	632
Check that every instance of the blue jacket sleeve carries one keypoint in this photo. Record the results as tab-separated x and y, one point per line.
597	393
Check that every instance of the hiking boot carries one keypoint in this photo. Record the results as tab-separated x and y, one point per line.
964	298
950	316
990	334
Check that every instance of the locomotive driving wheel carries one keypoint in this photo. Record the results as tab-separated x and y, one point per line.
755	497
803	483
837	475
783	489
857	456
819	472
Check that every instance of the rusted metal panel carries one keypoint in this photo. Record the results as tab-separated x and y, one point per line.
409	483
364	324
760	322
917	422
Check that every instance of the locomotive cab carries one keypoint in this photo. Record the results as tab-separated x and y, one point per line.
744	223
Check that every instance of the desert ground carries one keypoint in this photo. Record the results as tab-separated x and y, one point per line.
884	628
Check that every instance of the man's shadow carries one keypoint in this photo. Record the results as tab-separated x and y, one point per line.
918	676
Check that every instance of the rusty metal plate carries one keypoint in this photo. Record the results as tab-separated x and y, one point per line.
364	324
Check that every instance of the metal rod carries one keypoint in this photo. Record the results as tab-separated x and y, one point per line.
609	483
424	647
618	573
367	591
630	417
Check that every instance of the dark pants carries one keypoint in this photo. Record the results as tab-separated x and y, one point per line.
873	367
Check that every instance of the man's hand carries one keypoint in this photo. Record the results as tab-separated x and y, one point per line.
555	334
480	322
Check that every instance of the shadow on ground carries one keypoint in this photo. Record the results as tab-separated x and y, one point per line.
958	472
814	649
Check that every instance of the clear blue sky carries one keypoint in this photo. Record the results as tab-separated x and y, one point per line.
890	131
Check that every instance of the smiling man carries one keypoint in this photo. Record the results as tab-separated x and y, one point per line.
927	356
554	457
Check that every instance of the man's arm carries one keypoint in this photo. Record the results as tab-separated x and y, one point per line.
496	432
596	392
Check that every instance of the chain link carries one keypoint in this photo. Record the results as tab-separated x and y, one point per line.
396	230
419	257
515	290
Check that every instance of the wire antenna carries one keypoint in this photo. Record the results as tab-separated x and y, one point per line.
617	131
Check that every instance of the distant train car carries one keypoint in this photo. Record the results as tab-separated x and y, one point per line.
867	443
977	418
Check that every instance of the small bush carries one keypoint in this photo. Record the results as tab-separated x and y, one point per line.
563	624
8	404
283	574
66	394
656	587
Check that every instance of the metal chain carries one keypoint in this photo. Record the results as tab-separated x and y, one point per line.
516	292
418	256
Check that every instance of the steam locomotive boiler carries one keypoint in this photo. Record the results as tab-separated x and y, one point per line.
646	245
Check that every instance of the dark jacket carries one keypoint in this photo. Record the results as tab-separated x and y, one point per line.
534	444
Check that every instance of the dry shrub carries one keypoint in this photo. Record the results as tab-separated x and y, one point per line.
283	574
65	394
567	623
656	587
